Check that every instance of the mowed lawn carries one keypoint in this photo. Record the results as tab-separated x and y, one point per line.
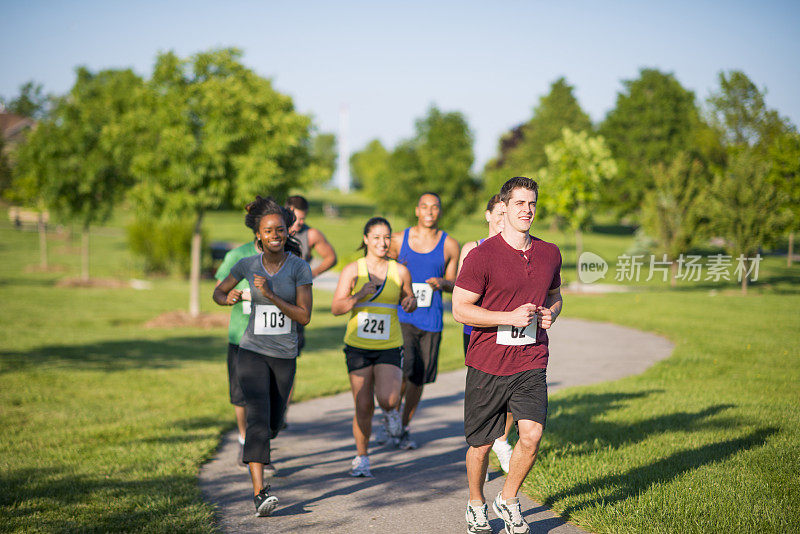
106	422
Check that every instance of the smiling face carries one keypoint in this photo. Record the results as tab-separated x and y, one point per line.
377	240
272	233
496	218
427	211
521	209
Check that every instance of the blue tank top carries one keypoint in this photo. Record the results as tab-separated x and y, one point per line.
422	267
468	328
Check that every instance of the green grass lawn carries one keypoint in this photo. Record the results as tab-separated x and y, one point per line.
107	423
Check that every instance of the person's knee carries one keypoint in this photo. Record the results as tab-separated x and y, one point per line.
530	436
480	451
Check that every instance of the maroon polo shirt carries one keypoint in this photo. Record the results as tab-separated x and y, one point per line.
505	279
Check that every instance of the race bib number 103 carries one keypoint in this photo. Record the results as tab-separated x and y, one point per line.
270	321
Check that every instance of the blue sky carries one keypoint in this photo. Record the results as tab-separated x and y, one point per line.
389	61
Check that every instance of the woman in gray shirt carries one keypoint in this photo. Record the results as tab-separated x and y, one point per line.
280	288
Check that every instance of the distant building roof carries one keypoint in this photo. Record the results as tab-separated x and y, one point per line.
13	126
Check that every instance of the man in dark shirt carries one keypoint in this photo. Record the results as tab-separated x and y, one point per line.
509	291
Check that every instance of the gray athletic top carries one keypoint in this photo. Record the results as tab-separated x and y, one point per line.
302	237
269	331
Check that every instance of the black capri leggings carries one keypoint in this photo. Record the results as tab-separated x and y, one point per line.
266	382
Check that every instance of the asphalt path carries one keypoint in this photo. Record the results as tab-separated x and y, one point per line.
419	491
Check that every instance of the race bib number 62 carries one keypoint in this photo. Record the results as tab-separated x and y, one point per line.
512	335
270	321
373	325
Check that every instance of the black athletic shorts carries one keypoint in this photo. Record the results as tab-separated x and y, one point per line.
360	358
234	389
421	352
488	397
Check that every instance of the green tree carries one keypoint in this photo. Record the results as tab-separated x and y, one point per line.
653	120
437	159
31	101
368	166
673	210
785	176
744	207
78	172
207	131
322	159
578	167
522	150
738	110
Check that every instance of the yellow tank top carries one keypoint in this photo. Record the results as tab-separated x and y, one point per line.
373	323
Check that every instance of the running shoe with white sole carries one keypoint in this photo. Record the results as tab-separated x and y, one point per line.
381	434
359	467
478	518
510	512
265	503
394	424
503	451
270	471
406	442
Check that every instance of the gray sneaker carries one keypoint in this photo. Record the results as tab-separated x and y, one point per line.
478	518
406	442
381	435
511	513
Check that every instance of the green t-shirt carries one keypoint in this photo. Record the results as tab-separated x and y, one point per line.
239	319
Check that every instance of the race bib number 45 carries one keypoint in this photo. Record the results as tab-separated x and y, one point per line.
512	335
373	325
423	294
270	321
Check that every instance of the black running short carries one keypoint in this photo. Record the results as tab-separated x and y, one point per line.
488	397
234	389
421	352
360	358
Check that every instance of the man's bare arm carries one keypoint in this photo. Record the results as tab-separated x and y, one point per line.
318	243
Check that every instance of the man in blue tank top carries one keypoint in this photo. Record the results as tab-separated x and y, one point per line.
432	257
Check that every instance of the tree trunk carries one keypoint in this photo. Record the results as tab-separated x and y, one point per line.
673	279
789	257
42	242
194	274
85	253
578	252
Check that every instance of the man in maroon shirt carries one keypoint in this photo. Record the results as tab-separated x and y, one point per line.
509	291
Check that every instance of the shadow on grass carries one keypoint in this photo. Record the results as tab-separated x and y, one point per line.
56	500
118	355
615	488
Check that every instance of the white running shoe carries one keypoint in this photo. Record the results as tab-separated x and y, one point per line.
478	518
511	513
503	451
359	467
394	424
381	435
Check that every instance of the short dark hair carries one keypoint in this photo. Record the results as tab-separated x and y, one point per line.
492	202
297	202
431	193
516	183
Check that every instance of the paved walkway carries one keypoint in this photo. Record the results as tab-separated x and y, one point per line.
417	491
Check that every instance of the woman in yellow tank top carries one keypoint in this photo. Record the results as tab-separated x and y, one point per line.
370	289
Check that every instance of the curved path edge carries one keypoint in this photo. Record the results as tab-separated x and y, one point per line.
417	491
